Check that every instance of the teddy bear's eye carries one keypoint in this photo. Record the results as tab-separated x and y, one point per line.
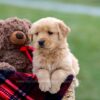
36	33
50	33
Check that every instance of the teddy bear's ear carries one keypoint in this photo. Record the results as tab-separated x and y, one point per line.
27	23
1	33
1	27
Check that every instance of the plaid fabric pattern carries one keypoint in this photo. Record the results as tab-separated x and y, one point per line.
24	86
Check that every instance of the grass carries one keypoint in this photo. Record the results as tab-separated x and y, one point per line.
83	40
85	2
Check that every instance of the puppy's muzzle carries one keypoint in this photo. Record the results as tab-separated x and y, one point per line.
41	43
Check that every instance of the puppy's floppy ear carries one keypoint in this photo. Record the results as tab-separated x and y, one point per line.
30	34
63	29
30	37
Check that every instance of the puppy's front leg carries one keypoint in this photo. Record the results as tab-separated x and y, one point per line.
44	80
57	78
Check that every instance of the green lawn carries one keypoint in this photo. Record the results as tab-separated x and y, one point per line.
84	41
86	2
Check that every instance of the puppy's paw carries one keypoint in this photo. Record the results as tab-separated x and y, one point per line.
54	89
55	86
44	86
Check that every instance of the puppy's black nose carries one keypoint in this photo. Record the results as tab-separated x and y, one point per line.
41	43
19	36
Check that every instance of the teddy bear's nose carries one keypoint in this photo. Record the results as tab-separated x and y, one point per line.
19	36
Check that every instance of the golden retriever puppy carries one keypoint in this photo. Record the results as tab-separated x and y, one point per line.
53	60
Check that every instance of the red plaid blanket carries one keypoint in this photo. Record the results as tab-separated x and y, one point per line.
24	86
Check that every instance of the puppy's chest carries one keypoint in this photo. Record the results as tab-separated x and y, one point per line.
47	62
50	64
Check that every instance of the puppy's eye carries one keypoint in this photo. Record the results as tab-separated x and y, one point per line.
36	33
50	33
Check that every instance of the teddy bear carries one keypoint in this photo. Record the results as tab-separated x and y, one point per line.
13	36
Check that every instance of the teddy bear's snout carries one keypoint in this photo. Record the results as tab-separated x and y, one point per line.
18	38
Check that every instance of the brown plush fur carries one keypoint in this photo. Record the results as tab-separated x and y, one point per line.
10	54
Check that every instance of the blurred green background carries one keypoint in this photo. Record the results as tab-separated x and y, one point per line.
84	41
86	2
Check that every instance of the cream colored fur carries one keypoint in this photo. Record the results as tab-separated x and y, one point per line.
54	62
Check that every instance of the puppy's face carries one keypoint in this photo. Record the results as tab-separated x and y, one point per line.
48	33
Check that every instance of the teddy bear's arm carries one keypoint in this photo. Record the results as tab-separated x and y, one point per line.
6	66
70	94
1	54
